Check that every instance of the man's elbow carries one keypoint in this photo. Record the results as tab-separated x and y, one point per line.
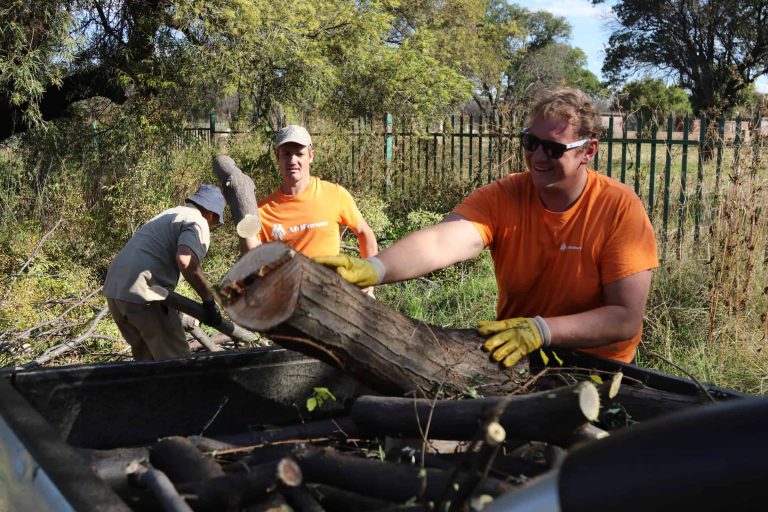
628	326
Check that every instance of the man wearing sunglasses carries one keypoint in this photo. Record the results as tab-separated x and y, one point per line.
573	250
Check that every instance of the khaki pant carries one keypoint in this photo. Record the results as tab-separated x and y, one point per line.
153	330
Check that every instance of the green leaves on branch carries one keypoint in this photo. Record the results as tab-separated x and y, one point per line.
318	398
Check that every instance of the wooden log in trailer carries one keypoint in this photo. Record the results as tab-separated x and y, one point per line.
307	307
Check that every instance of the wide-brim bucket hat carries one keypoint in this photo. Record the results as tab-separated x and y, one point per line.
210	197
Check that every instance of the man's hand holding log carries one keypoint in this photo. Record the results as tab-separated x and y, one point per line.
362	273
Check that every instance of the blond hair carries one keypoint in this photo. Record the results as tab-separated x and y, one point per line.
570	105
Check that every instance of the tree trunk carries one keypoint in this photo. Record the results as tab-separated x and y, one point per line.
309	308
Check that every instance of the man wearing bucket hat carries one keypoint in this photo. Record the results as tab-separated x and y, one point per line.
172	243
305	212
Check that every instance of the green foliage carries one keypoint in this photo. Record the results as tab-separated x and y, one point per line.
713	48
543	61
374	210
459	296
653	100
34	41
318	398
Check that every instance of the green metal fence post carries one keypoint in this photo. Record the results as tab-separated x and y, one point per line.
453	138
699	180
623	175
461	147
442	149
610	146
480	150
719	163
638	148
471	170
683	185
388	151
491	130
667	178
434	155
212	126
652	177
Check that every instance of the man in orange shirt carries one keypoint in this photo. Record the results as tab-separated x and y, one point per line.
573	250
305	212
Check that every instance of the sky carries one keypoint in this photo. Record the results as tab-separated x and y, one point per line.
589	28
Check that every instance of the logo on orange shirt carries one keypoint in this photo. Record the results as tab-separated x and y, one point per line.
565	247
278	232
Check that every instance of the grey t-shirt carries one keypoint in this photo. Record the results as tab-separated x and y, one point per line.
149	257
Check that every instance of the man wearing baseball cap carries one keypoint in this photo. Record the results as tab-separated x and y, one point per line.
172	243
306	212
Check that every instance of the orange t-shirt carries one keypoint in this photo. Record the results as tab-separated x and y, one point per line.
556	263
309	221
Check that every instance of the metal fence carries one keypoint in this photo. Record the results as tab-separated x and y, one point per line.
676	166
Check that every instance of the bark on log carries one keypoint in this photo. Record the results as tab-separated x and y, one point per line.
301	499
159	483
309	308
644	403
376	479
504	465
189	325
235	490
238	188
552	416
178	458
195	310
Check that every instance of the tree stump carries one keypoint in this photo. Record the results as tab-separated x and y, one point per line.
307	307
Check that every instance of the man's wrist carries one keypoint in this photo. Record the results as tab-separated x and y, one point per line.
543	327
379	266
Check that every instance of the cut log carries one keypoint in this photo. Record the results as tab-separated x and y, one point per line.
160	485
190	325
195	310
552	416
240	193
644	403
309	308
180	459
385	480
235	490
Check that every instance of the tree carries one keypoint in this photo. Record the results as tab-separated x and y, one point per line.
542	59
178	55
652	100
713	48
507	52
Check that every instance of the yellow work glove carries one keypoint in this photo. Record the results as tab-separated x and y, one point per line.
514	338
363	273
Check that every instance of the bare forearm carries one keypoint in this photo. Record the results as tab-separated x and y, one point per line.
597	327
430	249
198	282
190	268
368	244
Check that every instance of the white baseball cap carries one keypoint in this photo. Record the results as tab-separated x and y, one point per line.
210	197
293	133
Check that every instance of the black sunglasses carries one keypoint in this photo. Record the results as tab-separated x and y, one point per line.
551	148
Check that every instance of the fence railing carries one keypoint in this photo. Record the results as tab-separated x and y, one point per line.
676	167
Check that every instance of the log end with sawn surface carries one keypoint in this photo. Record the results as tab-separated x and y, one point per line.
309	308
